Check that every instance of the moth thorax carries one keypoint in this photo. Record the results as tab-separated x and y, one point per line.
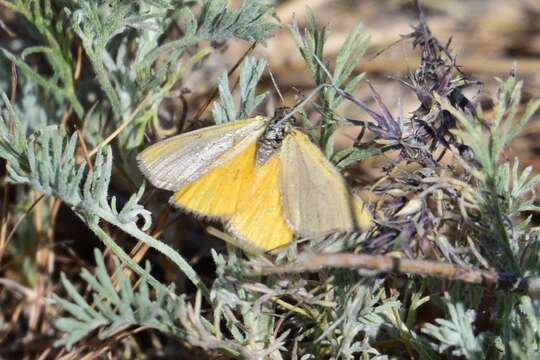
272	138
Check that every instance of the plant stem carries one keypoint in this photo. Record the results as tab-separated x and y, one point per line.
390	264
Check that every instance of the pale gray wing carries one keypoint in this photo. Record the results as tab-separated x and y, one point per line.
176	161
315	198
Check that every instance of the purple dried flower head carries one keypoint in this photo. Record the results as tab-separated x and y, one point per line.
385	125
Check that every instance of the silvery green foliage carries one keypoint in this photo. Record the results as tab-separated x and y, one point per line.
311	44
110	29
505	195
246	308
506	191
117	307
46	161
519	337
358	317
335	313
33	114
55	47
250	74
456	334
98	22
218	22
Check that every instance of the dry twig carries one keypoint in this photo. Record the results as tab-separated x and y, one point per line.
382	264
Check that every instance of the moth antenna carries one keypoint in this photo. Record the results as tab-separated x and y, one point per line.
313	92
297	106
386	48
325	69
316	90
229	73
340	91
276	86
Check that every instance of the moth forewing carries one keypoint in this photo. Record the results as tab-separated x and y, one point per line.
219	192
179	160
259	219
315	198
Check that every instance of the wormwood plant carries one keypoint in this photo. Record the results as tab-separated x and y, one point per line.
450	204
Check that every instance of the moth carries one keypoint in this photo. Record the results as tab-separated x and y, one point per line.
260	176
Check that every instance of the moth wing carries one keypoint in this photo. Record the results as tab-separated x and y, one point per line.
361	214
218	192
179	160
259	221
316	200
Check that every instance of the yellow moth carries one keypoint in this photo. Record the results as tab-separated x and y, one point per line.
266	180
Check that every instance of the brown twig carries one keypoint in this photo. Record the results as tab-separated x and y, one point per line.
86	154
122	126
216	89
21	218
388	264
78	64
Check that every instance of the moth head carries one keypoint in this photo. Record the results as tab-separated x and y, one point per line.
278	127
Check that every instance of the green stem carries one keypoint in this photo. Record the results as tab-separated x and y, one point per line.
46	83
60	60
103	78
500	229
172	45
163	248
122	255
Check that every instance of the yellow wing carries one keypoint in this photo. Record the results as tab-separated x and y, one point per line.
362	216
316	200
181	159
217	193
259	220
